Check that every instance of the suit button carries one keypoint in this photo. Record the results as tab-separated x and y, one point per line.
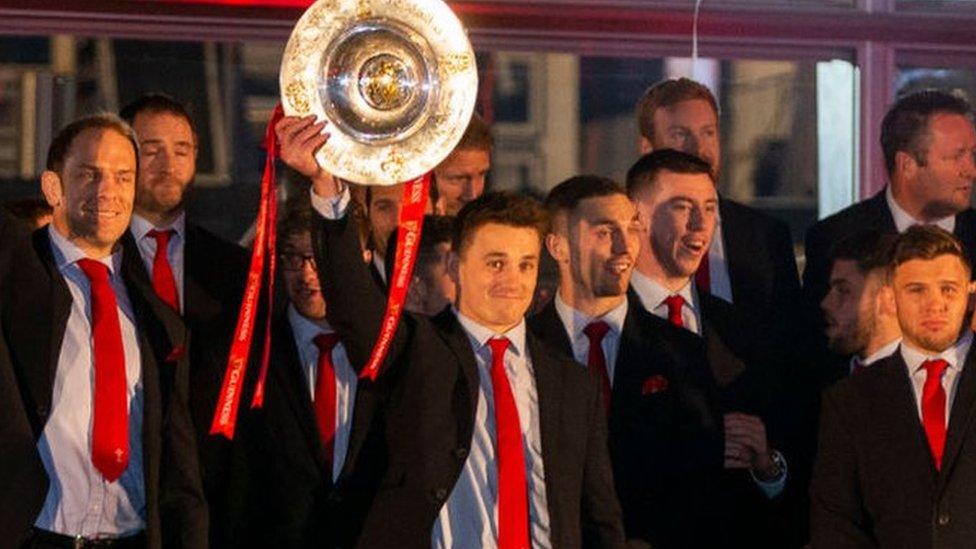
440	494
460	453
943	519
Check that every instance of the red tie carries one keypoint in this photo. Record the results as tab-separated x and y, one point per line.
163	280
325	392
703	278
513	496
110	426
675	303
595	359
933	408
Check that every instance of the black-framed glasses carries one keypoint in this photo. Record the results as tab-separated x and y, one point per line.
292	261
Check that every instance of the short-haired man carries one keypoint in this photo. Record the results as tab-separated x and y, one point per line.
460	178
296	445
99	446
200	275
928	140
894	467
676	199
750	259
432	288
665	443
490	439
860	318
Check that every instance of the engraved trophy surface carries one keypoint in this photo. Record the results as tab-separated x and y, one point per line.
396	79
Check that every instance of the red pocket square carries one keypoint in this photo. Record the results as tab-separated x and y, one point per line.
176	354
654	384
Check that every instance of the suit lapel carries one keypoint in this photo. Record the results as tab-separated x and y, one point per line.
294	385
36	321
960	416
549	327
465	401
549	387
879	210
199	306
896	406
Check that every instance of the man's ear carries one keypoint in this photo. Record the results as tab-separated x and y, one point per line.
558	246
52	188
886	300
906	163
644	145
453	265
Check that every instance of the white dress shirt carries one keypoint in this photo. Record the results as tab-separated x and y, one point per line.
718	266
884	352
575	322
469	517
652	295
903	220
80	502
305	331
954	355
140	228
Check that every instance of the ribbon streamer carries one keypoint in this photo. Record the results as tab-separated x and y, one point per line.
225	416
408	242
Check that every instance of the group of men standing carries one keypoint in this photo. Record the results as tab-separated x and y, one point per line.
667	394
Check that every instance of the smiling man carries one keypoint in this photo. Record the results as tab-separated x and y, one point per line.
490	438
677	203
665	445
99	407
893	468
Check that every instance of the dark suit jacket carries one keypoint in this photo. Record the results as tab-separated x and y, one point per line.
666	444
214	272
428	426
875	483
762	266
292	501
870	214
34	308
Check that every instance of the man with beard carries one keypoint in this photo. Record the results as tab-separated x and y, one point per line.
665	445
199	275
860	318
296	444
678	206
895	465
98	443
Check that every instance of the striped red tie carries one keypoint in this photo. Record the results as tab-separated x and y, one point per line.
110	423
513	495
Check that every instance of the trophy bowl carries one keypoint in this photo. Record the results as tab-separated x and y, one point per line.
396	80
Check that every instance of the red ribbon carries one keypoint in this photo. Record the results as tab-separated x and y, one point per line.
225	416
408	241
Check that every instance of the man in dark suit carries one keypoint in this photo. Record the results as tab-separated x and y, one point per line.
665	430
861	325
750	259
677	203
895	465
492	440
296	446
98	442
928	142
198	274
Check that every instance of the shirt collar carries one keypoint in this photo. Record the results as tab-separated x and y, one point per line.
67	253
306	329
140	226
903	220
653	293
883	352
576	322
479	335
954	355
